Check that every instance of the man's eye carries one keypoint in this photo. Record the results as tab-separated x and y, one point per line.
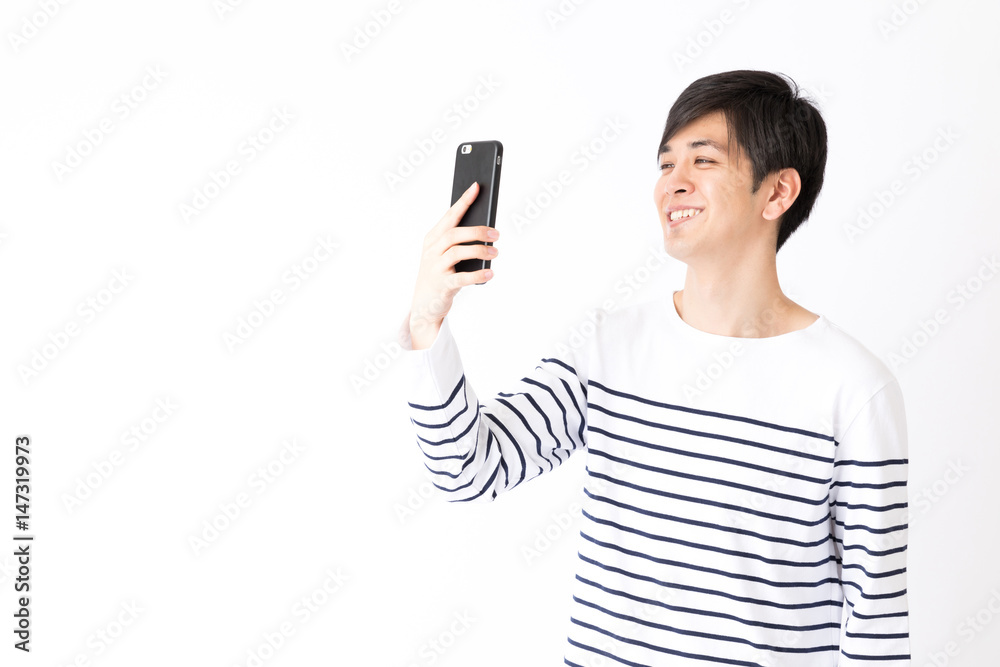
671	164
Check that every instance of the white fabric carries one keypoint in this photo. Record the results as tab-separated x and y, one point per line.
737	489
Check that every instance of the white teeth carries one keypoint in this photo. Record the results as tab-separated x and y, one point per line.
686	213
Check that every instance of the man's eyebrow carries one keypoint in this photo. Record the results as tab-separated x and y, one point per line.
698	143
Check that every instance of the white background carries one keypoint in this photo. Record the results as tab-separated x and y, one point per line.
406	577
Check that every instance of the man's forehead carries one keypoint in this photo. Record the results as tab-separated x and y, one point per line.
709	130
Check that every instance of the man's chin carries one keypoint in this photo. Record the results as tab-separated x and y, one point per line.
673	246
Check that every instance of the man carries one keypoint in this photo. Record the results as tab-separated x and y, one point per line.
746	458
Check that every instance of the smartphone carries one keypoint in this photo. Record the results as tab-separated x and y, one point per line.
477	162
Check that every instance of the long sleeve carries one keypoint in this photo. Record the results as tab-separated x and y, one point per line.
475	450
869	507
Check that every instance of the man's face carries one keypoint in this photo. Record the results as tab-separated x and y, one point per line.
697	173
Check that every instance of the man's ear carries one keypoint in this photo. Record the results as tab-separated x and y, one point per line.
783	188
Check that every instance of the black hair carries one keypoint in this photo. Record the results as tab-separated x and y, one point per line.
771	122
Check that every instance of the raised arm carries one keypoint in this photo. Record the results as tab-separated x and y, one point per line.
476	449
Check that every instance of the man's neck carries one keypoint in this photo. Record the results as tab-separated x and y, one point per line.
741	299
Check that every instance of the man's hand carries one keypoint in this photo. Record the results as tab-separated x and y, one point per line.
437	280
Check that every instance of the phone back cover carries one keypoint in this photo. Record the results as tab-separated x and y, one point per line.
481	164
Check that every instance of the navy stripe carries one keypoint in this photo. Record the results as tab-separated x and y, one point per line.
468	460
872	635
565	417
706	547
872	596
855	485
513	441
874	575
467	457
527	427
708	591
896	614
706	524
465	396
489	443
712	614
702	478
451	397
855	656
636	642
548	427
442	458
572	370
489	483
877	531
716	436
599	652
710	570
886	462
705	635
583	419
448	441
709	413
870	552
709	457
874	508
713	503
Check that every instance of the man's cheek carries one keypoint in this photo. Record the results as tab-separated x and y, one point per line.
730	187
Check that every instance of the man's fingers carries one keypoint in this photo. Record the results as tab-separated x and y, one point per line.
462	279
459	235
482	276
458	252
457	210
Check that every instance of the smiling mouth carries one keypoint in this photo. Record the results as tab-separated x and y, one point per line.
677	217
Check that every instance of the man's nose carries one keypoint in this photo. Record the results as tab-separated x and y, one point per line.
676	182
671	190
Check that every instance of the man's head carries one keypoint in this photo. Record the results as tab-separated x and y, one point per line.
771	162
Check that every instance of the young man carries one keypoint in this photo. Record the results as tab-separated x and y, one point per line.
746	458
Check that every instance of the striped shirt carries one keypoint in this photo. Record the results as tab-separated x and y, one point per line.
745	498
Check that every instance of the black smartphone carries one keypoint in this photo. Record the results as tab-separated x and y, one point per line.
477	162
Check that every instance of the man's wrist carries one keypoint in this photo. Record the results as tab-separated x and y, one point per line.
423	332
